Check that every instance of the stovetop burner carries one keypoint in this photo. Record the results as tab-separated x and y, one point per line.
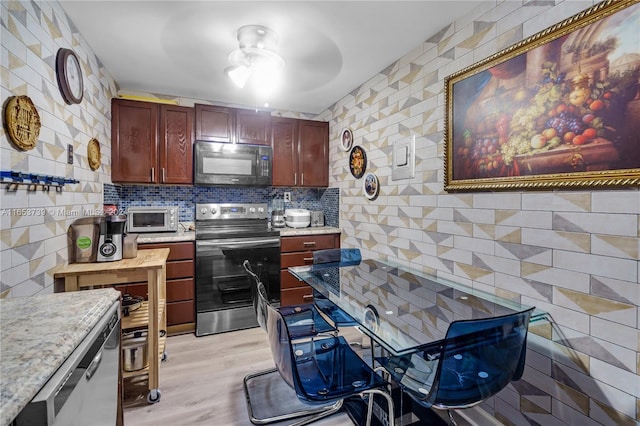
227	220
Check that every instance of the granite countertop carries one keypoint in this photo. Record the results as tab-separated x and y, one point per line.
292	232
166	237
173	237
38	333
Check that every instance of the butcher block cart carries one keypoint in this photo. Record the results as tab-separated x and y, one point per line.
149	266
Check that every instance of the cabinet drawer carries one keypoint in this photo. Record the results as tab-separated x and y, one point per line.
309	242
180	312
296	296
287	280
179	290
179	251
296	259
180	269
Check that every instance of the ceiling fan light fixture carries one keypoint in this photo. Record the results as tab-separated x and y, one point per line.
239	74
256	59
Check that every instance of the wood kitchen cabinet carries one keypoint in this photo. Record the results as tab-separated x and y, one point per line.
180	286
151	143
232	125
300	152
298	251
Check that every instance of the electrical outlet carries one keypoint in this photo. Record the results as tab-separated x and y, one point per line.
69	154
287	197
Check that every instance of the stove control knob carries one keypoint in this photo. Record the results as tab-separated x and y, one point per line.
260	210
203	211
252	210
214	210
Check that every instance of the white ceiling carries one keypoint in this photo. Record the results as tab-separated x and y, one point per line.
180	48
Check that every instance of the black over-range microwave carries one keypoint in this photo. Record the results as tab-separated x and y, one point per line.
232	164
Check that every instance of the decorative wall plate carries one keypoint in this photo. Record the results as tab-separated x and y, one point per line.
357	162
371	186
23	122
93	154
346	139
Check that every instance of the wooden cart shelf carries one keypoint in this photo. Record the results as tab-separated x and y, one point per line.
149	266
140	317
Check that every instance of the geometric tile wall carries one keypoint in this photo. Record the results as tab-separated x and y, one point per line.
33	224
573	254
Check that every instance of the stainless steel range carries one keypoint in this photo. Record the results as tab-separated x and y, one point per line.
226	235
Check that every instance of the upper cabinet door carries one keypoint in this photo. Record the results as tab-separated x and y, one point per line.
253	127
313	153
285	156
215	123
176	144
134	149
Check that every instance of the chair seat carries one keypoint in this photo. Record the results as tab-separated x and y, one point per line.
330	309
305	320
329	369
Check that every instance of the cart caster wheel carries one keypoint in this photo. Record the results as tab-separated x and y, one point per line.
154	396
164	357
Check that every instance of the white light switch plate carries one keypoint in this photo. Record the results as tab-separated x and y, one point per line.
403	164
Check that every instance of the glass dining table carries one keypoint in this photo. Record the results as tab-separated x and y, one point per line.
401	309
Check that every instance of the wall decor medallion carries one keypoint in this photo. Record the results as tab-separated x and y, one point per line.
93	154
69	76
346	139
22	122
357	162
560	109
371	186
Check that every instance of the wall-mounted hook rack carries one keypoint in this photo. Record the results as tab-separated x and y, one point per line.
32	180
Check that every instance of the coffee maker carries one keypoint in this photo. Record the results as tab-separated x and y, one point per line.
111	236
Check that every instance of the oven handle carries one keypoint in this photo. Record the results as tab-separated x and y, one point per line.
239	243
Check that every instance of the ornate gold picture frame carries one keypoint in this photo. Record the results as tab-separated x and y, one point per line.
561	109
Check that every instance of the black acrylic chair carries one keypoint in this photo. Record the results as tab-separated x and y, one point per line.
323	370
476	360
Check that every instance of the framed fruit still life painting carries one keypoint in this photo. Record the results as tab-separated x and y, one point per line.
561	109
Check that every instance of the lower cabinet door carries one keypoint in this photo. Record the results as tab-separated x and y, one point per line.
180	312
296	296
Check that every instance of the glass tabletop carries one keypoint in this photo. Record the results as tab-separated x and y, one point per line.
400	308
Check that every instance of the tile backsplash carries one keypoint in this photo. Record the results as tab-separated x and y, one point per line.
185	197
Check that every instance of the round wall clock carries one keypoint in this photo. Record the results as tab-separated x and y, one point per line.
69	75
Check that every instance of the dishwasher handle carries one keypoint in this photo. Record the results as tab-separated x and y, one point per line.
94	365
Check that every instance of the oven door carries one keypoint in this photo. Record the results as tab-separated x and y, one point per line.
223	288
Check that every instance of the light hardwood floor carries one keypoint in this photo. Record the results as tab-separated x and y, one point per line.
201	382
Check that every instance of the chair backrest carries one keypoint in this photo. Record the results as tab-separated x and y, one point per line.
478	359
280	344
346	256
259	295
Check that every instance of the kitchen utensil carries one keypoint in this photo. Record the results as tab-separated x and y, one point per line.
130	303
134	351
297	218
130	246
277	213
317	218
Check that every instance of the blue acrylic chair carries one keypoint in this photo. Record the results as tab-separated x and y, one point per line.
264	389
338	257
323	370
476	360
303	320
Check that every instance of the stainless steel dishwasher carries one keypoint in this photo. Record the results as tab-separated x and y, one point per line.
84	390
